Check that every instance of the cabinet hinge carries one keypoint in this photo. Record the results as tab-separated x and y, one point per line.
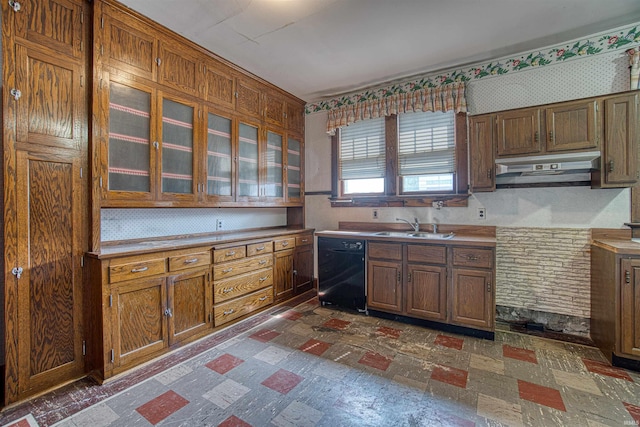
82	46
101	49
81	261
81	15
113	356
209	317
110	300
84	348
100	182
158	61
596	105
14	5
627	276
236	94
80	172
81	81
102	22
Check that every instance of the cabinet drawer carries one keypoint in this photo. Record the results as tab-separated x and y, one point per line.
227	289
305	240
229	269
181	262
473	257
259	248
135	270
385	251
227	311
229	254
282	244
428	254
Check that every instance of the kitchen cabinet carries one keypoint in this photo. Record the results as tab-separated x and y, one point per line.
294	168
274	109
482	153
45	78
283	268
220	167
444	283
243	277
219	84
303	264
295	117
273	188
179	67
189	299
249	98
619	167
615	304
248	162
572	126
518	132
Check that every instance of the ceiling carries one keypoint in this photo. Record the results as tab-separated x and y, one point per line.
317	49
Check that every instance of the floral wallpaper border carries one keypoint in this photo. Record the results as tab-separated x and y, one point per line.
620	38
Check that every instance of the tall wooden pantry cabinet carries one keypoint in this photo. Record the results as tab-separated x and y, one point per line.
44	101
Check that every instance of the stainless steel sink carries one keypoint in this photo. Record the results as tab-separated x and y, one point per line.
419	235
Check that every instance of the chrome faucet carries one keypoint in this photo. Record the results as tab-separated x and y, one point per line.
435	227
415	225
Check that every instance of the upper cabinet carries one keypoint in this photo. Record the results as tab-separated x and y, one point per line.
518	132
177	126
482	153
572	126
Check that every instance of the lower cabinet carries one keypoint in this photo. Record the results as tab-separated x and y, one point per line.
189	299
630	308
443	283
292	265
303	264
283	272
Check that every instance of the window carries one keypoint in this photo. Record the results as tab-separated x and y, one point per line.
411	154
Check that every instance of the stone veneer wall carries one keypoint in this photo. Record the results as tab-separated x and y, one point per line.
543	276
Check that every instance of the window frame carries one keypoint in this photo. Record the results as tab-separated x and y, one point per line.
393	192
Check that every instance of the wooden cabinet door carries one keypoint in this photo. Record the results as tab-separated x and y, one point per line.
620	145
54	24
283	274
295	117
190	301
219	84
482	153
472	299
274	108
179	67
248	98
294	178
129	160
139	323
518	132
384	285
572	126
248	162
274	167
52	104
219	168
125	43
426	291
47	328
178	153
303	268
630	307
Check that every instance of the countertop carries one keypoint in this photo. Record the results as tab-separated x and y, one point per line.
174	243
458	239
619	246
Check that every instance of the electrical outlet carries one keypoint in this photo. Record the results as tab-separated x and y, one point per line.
218	224
482	214
374	214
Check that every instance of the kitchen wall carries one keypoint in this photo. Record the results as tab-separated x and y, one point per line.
558	218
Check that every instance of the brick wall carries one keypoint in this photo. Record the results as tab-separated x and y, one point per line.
544	269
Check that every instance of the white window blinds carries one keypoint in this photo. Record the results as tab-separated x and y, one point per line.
426	143
362	150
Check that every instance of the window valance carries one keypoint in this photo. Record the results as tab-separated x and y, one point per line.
373	104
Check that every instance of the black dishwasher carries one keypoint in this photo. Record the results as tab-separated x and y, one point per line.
341	272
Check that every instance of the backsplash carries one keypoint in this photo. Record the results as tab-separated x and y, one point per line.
124	224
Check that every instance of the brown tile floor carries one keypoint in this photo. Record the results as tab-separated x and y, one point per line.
311	365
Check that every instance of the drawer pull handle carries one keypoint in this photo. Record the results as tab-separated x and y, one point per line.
285	243
228	311
139	270
472	257
262	279
190	261
261	248
262	261
230	253
304	240
227	290
263	298
228	270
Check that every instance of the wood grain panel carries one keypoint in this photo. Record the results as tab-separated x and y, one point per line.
56	24
384	250
571	126
259	248
182	262
304	240
303	268
219	85
430	254
518	132
137	269
427	292
227	289
283	244
295	117
283	274
274	108
472	303
179	68
630	307
229	254
233	268
473	257
384	286
248	98
228	311
482	150
190	303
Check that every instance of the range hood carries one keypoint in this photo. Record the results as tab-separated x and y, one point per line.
567	168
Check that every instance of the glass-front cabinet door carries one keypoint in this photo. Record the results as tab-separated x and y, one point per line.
274	164
177	130
248	162
131	150
294	169
219	182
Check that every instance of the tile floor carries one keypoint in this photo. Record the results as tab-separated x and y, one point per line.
310	365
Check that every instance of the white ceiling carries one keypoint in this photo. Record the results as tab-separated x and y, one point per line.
316	49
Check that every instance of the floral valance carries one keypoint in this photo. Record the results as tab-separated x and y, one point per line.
372	104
